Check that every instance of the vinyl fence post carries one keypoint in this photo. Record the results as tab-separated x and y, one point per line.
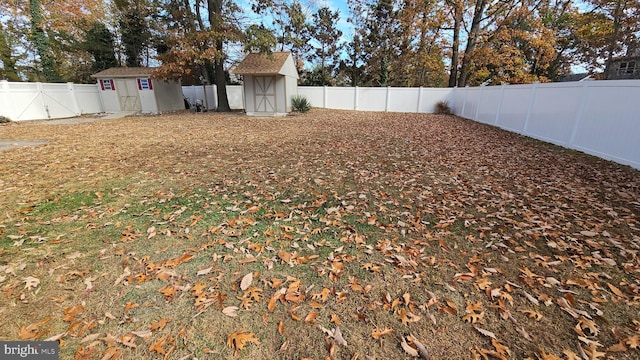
324	97
355	98
5	110
72	93
499	109
40	96
464	102
386	102
533	100
419	99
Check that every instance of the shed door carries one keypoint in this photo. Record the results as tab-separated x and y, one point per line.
128	95
264	88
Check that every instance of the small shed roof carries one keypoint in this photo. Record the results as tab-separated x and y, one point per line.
125	72
267	64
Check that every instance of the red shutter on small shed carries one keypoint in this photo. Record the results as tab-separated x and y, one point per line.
102	84
139	84
113	85
150	84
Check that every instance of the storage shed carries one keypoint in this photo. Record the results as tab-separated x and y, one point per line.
269	82
134	89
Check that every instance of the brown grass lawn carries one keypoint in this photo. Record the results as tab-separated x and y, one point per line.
347	235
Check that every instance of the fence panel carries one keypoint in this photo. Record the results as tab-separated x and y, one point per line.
314	94
553	112
372	99
610	123
235	96
403	99
515	105
429	97
342	98
489	103
471	102
88	98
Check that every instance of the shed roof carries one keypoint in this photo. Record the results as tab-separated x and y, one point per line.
266	64
124	72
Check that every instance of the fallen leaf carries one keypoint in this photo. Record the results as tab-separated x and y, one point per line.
30	282
473	317
70	313
615	290
204	271
238	339
230	311
378	333
485	332
33	331
89	338
408	349
246	281
532	314
311	317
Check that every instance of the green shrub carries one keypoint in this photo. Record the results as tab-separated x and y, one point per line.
299	103
4	119
442	107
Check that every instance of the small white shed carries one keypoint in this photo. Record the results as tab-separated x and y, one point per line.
269	82
134	89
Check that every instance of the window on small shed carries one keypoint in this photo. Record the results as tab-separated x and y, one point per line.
107	84
145	84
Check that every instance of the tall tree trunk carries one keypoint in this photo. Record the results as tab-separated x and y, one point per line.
457	21
215	16
471	42
42	44
611	48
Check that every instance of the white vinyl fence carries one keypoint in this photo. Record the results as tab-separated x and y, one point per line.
198	92
33	101
601	118
422	100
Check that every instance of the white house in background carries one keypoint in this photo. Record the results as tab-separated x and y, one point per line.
269	82
134	89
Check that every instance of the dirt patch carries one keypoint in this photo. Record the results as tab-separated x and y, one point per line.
13	144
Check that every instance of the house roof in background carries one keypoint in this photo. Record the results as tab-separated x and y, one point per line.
575	77
267	64
124	72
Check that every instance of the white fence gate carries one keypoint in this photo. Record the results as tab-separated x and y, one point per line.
33	101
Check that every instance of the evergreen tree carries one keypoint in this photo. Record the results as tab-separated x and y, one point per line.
327	36
134	29
8	70
100	44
